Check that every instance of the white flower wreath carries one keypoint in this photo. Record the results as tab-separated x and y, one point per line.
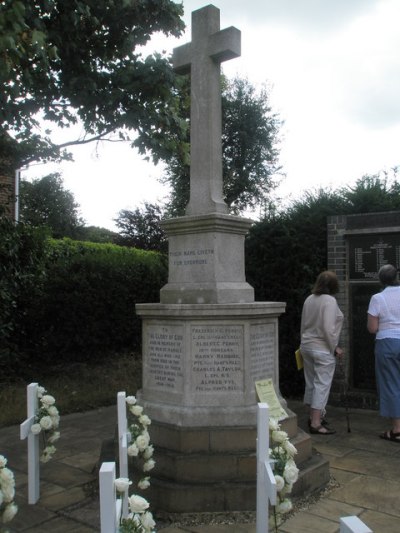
286	473
47	421
140	445
140	519
8	509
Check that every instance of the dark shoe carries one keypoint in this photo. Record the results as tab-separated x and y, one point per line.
323	423
390	435
321	430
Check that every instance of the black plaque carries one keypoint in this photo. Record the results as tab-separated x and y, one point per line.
362	342
367	253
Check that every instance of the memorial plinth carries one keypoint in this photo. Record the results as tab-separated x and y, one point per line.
200	362
207	342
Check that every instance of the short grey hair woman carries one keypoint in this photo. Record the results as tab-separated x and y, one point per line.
384	322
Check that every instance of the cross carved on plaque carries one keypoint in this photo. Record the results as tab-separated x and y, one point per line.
202	57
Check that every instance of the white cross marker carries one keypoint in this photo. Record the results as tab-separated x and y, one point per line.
33	444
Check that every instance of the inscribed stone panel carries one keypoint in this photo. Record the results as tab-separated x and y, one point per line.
262	351
217	353
164	357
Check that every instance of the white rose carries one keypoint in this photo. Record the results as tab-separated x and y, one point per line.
136	410
36	429
122	484
148	453
41	391
145	420
52	410
3	461
287	489
47	454
285	506
147	521
149	465
291	472
278	436
144	483
280	483
6	475
46	423
54	437
142	441
48	400
133	450
9	512
273	424
130	400
289	448
137	504
55	420
8	493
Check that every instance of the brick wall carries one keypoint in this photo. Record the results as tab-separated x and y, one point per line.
339	229
7	195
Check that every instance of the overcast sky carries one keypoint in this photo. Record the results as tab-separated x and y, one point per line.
334	71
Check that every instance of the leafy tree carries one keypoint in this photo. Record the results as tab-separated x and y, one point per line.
66	61
45	202
141	228
373	193
96	234
249	146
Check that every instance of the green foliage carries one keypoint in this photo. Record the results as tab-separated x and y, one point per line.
88	307
249	148
77	60
45	203
96	234
249	145
141	228
22	257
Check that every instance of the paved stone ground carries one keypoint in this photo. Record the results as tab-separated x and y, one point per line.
366	469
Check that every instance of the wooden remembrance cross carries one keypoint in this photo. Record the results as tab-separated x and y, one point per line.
202	57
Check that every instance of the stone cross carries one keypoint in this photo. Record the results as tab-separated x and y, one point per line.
33	444
266	484
202	57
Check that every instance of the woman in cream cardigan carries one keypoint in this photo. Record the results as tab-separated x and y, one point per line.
321	324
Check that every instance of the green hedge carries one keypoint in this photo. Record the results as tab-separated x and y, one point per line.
87	307
22	273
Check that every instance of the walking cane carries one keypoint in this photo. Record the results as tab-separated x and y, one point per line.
345	395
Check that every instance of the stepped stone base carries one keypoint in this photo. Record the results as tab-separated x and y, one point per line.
223	463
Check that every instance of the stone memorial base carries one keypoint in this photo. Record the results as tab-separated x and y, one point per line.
200	365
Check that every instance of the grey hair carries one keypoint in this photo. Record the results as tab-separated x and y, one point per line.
388	275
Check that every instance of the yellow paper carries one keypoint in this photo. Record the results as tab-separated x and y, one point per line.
299	359
266	394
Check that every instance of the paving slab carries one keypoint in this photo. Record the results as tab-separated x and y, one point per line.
371	493
381	522
332	509
306	522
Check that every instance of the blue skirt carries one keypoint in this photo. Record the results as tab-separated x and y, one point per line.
387	369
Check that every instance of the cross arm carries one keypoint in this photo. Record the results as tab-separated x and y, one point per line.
225	44
181	58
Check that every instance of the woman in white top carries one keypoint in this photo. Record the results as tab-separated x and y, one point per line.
321	323
384	321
